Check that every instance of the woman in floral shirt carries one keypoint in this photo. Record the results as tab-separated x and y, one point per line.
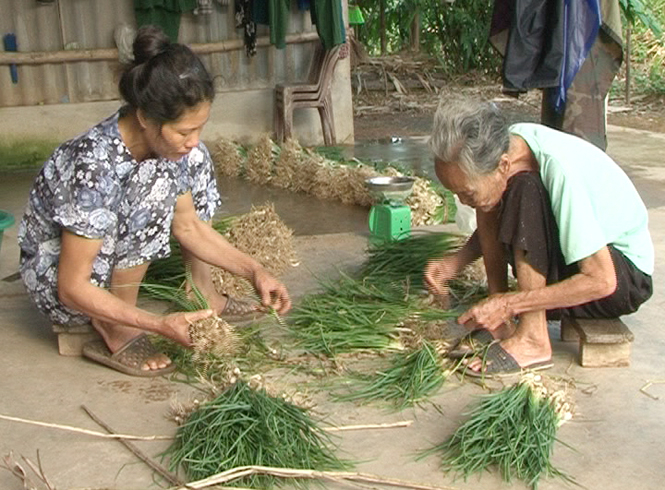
105	204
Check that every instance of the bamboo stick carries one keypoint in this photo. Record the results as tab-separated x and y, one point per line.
336	476
83	431
343	428
111	54
170	477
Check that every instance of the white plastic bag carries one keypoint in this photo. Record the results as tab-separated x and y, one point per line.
465	217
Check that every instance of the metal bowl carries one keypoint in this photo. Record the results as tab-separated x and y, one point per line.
390	184
393	190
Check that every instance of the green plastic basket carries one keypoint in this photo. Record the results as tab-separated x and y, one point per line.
6	220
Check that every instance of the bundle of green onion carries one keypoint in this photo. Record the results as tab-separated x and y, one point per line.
513	430
351	314
411	378
406	259
247	426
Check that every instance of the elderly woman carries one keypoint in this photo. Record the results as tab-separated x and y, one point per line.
558	210
106	203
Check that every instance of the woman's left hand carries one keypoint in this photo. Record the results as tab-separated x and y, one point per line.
489	314
272	292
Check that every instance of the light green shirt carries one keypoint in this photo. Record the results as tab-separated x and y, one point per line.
594	202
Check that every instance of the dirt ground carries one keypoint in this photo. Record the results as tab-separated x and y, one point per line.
379	115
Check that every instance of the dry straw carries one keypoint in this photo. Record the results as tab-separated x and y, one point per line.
288	164
303	170
228	158
262	235
306	176
260	161
360	193
424	203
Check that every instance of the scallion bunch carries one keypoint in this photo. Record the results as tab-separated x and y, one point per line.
351	314
411	378
247	426
406	259
513	430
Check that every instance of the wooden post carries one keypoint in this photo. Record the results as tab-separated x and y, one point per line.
628	75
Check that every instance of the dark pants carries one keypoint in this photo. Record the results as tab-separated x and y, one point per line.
528	224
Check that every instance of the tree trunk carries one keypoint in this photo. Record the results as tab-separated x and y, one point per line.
382	26
415	31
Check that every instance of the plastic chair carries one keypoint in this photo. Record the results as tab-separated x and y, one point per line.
315	92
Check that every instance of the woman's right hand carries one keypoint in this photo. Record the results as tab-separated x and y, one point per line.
176	325
437	274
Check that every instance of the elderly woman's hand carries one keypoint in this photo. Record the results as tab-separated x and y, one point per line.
490	313
438	272
272	292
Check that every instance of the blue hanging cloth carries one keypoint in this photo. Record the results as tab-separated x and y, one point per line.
582	21
9	41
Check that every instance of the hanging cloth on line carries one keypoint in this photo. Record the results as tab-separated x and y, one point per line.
163	13
245	21
326	16
544	42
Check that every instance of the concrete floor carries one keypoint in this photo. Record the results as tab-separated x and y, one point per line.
617	432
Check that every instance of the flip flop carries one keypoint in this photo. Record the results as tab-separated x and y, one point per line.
129	358
497	363
471	343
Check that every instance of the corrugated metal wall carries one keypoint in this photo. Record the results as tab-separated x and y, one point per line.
89	24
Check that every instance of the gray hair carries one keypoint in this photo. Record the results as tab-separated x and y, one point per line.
471	133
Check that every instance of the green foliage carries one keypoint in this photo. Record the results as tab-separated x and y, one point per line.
462	29
455	32
637	10
24	153
647	47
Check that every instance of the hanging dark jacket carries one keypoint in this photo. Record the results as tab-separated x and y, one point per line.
530	36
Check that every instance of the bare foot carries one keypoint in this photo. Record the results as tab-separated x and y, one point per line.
216	302
505	331
117	336
525	351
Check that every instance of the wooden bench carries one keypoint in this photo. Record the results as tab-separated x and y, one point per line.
71	338
603	342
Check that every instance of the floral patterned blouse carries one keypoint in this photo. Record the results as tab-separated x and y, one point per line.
93	187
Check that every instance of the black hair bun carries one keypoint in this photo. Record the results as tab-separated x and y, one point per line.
150	41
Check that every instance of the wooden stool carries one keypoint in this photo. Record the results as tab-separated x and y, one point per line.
603	342
71	338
